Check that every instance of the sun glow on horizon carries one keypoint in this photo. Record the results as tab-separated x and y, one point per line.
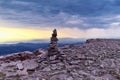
19	34
12	34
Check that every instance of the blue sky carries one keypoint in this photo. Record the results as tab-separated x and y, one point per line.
88	18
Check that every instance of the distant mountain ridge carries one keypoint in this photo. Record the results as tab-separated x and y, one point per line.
61	40
33	45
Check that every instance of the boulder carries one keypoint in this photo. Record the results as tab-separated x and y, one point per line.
20	66
39	52
30	64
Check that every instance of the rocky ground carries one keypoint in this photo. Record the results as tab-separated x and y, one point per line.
97	59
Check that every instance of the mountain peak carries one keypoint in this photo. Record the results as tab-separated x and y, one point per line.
97	59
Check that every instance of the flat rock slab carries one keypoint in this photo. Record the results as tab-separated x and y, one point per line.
30	64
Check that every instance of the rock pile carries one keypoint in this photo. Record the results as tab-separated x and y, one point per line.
17	56
93	60
53	51
53	46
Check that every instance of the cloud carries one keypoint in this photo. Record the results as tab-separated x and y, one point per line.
20	3
111	32
80	14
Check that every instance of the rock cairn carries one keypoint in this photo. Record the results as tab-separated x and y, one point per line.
53	46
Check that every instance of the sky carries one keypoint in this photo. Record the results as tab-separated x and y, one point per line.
22	20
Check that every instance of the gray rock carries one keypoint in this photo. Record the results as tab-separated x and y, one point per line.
94	60
46	69
30	64
20	66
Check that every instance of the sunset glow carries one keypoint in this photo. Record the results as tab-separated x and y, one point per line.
8	34
19	34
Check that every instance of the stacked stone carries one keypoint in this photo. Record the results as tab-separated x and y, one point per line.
53	46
